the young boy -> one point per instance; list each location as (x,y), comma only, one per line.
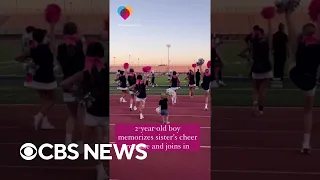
(163,103)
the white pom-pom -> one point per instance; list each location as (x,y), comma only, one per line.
(158,110)
(169,92)
(286,5)
(200,61)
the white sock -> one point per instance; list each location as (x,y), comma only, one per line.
(39,115)
(306,140)
(68,138)
(172,99)
(206,106)
(100,166)
(130,105)
(45,119)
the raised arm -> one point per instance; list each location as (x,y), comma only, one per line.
(269,33)
(292,36)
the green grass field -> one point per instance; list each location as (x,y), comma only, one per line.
(17,94)
(229,51)
(236,93)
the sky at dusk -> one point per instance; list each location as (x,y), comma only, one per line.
(184,24)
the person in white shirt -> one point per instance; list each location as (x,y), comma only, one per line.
(26,38)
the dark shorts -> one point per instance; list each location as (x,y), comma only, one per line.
(164,112)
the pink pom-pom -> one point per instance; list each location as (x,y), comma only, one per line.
(314,9)
(209,64)
(52,13)
(28,78)
(126,65)
(268,12)
(146,69)
(194,65)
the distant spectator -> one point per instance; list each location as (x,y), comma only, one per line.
(26,38)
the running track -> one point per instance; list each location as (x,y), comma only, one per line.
(243,147)
(16,129)
(262,148)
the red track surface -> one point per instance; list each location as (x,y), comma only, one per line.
(265,148)
(16,129)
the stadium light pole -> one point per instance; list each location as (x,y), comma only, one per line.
(138,62)
(114,61)
(168,46)
(129,58)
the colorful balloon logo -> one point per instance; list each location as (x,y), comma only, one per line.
(125,11)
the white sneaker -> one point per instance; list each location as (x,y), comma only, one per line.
(214,84)
(46,124)
(222,83)
(123,100)
(141,116)
(134,108)
(305,149)
(37,120)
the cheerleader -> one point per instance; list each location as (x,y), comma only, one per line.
(147,82)
(41,76)
(191,82)
(70,55)
(206,80)
(27,38)
(141,92)
(153,79)
(163,103)
(169,77)
(132,81)
(261,68)
(117,76)
(95,81)
(122,85)
(304,68)
(174,85)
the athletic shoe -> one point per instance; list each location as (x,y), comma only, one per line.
(305,151)
(46,124)
(214,84)
(222,83)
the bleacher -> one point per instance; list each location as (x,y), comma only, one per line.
(242,22)
(87,23)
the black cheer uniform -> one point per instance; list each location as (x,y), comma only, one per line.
(97,84)
(191,78)
(70,63)
(206,82)
(142,91)
(261,66)
(123,82)
(304,74)
(132,81)
(174,82)
(43,58)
